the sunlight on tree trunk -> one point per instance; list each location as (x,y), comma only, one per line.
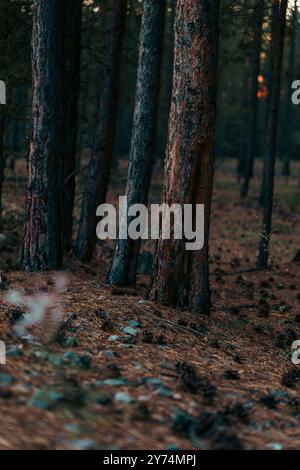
(180,276)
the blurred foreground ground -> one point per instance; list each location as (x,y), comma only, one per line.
(172,379)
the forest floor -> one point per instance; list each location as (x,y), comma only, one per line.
(171,379)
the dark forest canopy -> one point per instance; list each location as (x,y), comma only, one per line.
(236,19)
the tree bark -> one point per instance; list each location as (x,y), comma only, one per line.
(269,79)
(277,45)
(181,277)
(73,13)
(100,163)
(240,167)
(42,247)
(253,89)
(124,265)
(289,108)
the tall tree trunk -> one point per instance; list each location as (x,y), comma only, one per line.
(100,163)
(73,13)
(269,79)
(253,89)
(289,108)
(240,167)
(43,232)
(124,265)
(170,62)
(166,83)
(279,19)
(17,125)
(14,127)
(83,102)
(181,278)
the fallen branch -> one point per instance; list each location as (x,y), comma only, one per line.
(170,323)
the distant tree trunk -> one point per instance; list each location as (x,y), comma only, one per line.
(82,128)
(279,19)
(100,164)
(124,265)
(13,138)
(43,232)
(269,79)
(253,89)
(289,108)
(73,13)
(262,186)
(180,276)
(170,63)
(240,168)
(166,83)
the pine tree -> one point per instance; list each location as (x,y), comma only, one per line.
(289,108)
(277,44)
(73,13)
(43,247)
(181,277)
(100,164)
(258,15)
(124,265)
